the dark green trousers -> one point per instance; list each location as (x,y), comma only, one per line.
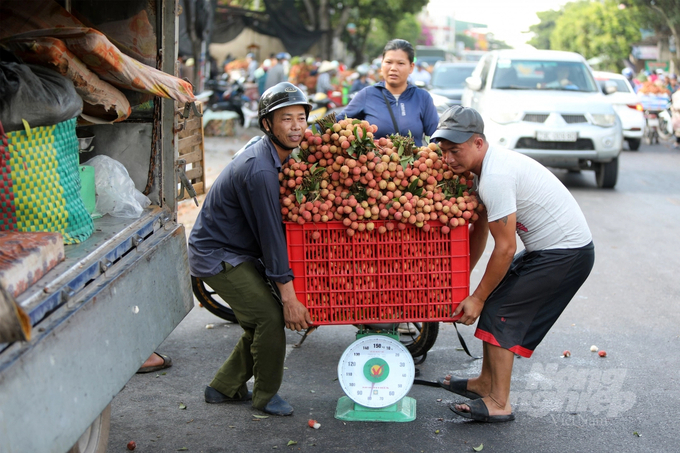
(262,348)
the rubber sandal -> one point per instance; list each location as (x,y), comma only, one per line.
(277,406)
(167,363)
(480,413)
(213,396)
(459,387)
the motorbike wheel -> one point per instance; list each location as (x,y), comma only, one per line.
(419,337)
(211,300)
(649,135)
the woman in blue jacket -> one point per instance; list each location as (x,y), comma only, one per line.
(394,101)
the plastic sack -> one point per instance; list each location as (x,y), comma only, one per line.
(35,94)
(116,192)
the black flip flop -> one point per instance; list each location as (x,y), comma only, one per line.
(479,412)
(459,387)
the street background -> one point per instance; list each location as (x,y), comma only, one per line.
(626,402)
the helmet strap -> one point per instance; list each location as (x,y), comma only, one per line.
(274,138)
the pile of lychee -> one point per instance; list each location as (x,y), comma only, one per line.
(341,173)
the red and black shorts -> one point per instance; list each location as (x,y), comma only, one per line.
(532,295)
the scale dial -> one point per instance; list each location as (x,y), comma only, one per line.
(376,371)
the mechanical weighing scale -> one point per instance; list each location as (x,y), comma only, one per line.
(376,372)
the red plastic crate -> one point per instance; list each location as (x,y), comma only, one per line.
(400,276)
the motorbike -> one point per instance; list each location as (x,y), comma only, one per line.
(665,128)
(658,124)
(322,105)
(231,97)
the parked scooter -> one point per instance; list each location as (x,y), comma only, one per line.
(322,105)
(228,96)
(665,128)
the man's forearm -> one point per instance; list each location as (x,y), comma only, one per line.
(287,291)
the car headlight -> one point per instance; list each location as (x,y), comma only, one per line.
(441,103)
(506,117)
(603,120)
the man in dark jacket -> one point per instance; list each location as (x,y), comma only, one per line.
(238,247)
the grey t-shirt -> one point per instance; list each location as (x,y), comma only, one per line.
(275,75)
(548,216)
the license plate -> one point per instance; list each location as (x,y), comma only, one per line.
(556,136)
(653,122)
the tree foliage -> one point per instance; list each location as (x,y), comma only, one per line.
(662,16)
(331,20)
(544,28)
(386,19)
(468,41)
(407,28)
(597,29)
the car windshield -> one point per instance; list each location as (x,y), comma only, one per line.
(451,76)
(513,74)
(621,85)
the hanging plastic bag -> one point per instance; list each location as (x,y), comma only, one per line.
(116,192)
(35,94)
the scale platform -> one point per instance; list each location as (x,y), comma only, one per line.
(376,373)
(402,411)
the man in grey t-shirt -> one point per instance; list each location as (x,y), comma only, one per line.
(520,296)
(275,74)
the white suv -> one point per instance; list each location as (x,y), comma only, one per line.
(547,105)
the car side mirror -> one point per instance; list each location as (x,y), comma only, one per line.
(474,83)
(609,87)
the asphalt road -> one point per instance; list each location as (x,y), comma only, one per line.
(626,402)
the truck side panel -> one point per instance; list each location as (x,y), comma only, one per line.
(86,351)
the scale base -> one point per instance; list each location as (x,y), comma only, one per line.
(402,411)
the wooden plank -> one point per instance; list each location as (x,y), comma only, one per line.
(195,157)
(192,125)
(194,173)
(195,139)
(191,148)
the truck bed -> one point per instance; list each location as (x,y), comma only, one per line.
(97,316)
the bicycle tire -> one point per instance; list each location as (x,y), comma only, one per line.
(217,307)
(420,342)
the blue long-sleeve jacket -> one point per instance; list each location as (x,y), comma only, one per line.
(414,111)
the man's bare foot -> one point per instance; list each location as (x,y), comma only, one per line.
(473,385)
(154,360)
(493,406)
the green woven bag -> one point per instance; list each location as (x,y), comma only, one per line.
(40,182)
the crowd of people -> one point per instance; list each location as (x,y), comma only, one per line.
(662,84)
(314,75)
(652,82)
